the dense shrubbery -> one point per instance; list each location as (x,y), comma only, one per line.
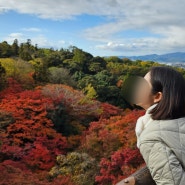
(57,125)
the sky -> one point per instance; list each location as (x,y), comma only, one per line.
(100,27)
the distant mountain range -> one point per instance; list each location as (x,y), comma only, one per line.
(178,57)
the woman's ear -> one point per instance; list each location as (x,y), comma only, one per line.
(158,97)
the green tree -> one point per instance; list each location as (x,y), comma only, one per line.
(26,50)
(96,65)
(127,61)
(66,54)
(15,48)
(2,77)
(54,59)
(82,59)
(24,53)
(5,50)
(86,80)
(114,59)
(41,73)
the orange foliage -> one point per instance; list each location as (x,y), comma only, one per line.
(110,110)
(29,111)
(113,142)
(122,164)
(12,87)
(108,135)
(12,173)
(30,144)
(31,138)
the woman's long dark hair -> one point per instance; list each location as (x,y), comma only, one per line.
(172,85)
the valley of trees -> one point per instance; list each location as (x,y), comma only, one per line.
(63,117)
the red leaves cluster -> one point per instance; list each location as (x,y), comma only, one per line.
(108,135)
(31,138)
(30,144)
(12,87)
(43,153)
(99,141)
(15,173)
(121,164)
(110,110)
(113,142)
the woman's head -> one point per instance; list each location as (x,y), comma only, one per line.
(167,88)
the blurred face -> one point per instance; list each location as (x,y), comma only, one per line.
(138,91)
(143,93)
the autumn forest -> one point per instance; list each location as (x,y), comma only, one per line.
(63,117)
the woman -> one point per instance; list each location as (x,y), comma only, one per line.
(162,141)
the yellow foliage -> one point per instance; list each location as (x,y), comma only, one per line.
(90,92)
(80,166)
(19,70)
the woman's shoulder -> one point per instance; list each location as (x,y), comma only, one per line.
(177,125)
(163,130)
(171,124)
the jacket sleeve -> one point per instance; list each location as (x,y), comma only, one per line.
(162,163)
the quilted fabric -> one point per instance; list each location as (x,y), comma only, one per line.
(162,145)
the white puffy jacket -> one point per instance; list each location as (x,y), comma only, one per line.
(162,145)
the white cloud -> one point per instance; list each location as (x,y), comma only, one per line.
(172,40)
(11,37)
(119,9)
(163,18)
(151,11)
(42,41)
(61,9)
(144,46)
